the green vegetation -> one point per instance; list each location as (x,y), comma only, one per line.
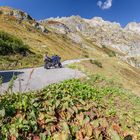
(122,102)
(93,108)
(97,63)
(18,61)
(113,68)
(10,44)
(38,43)
(14,53)
(109,52)
(70,110)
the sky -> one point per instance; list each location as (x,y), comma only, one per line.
(122,11)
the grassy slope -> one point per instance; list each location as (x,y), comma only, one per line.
(117,80)
(39,44)
(115,69)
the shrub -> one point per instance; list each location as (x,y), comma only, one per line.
(97,63)
(109,52)
(10,44)
(1,12)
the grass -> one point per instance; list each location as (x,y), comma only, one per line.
(18,61)
(121,72)
(15,54)
(12,45)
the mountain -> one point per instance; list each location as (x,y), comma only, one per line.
(82,37)
(39,39)
(124,41)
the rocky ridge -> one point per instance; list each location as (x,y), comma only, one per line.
(133,26)
(22,16)
(103,33)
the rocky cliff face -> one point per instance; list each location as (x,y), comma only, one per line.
(22,16)
(16,13)
(103,33)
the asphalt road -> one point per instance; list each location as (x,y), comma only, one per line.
(37,78)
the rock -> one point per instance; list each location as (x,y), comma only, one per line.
(133,26)
(39,27)
(75,37)
(20,15)
(58,26)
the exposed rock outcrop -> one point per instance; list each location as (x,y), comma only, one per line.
(60,27)
(40,27)
(134,27)
(21,16)
(16,13)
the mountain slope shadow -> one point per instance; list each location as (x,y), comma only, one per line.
(7,76)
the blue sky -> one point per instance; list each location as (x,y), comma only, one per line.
(122,11)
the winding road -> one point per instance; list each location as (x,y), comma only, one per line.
(37,78)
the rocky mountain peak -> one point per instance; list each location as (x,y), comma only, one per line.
(98,21)
(133,26)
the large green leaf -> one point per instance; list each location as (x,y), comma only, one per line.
(2,113)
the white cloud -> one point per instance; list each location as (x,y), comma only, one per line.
(104,5)
(99,3)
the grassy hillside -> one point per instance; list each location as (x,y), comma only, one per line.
(38,43)
(112,68)
(11,45)
(13,51)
